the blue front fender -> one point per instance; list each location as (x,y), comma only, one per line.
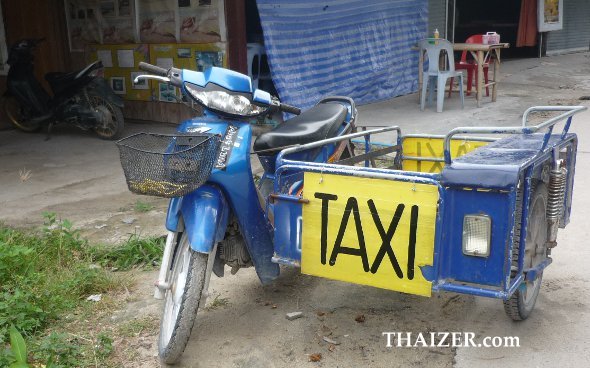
(205,214)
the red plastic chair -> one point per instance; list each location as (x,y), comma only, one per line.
(471,67)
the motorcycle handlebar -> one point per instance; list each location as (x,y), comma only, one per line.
(153,69)
(290,109)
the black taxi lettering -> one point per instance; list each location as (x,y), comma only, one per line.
(386,248)
(436,166)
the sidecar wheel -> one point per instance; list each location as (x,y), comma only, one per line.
(521,303)
(187,278)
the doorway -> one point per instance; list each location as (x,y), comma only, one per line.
(481,16)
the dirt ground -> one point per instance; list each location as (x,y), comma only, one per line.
(79,177)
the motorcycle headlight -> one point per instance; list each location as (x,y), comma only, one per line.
(225,102)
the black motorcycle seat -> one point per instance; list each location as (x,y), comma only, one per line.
(320,122)
(60,77)
(59,81)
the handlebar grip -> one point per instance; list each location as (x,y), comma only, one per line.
(290,109)
(153,69)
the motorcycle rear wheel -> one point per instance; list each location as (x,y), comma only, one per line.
(16,114)
(112,123)
(188,279)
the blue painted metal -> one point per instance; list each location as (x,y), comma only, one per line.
(466,189)
(236,185)
(568,112)
(479,291)
(205,214)
(172,216)
(454,265)
(239,186)
(527,192)
(367,149)
(233,185)
(532,273)
(546,138)
(470,289)
(262,97)
(517,282)
(566,128)
(498,164)
(484,181)
(287,223)
(225,78)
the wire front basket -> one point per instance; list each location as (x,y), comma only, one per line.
(166,165)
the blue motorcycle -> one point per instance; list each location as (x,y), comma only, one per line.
(417,214)
(219,213)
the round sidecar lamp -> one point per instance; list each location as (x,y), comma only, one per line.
(477,230)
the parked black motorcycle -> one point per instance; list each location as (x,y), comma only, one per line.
(79,98)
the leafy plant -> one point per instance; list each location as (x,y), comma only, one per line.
(44,274)
(104,346)
(18,348)
(143,206)
(138,326)
(59,350)
(218,302)
(135,251)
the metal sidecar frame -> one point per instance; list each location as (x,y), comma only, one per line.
(495,177)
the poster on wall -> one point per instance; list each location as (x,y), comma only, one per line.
(157,21)
(82,23)
(550,15)
(207,59)
(191,21)
(167,93)
(146,21)
(117,21)
(99,21)
(121,67)
(186,56)
(199,21)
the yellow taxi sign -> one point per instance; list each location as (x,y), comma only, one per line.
(372,232)
(433,147)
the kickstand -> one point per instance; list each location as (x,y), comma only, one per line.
(48,136)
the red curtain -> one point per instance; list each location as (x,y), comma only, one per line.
(527,25)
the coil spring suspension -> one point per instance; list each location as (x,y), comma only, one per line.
(556,194)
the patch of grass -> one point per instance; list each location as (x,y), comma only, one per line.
(136,327)
(218,302)
(143,206)
(135,252)
(47,275)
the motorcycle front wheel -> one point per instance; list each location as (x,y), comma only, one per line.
(188,279)
(111,122)
(18,115)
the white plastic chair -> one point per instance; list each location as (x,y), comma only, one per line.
(435,76)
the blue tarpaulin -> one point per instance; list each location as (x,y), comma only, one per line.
(355,48)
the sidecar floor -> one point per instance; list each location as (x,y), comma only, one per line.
(320,122)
